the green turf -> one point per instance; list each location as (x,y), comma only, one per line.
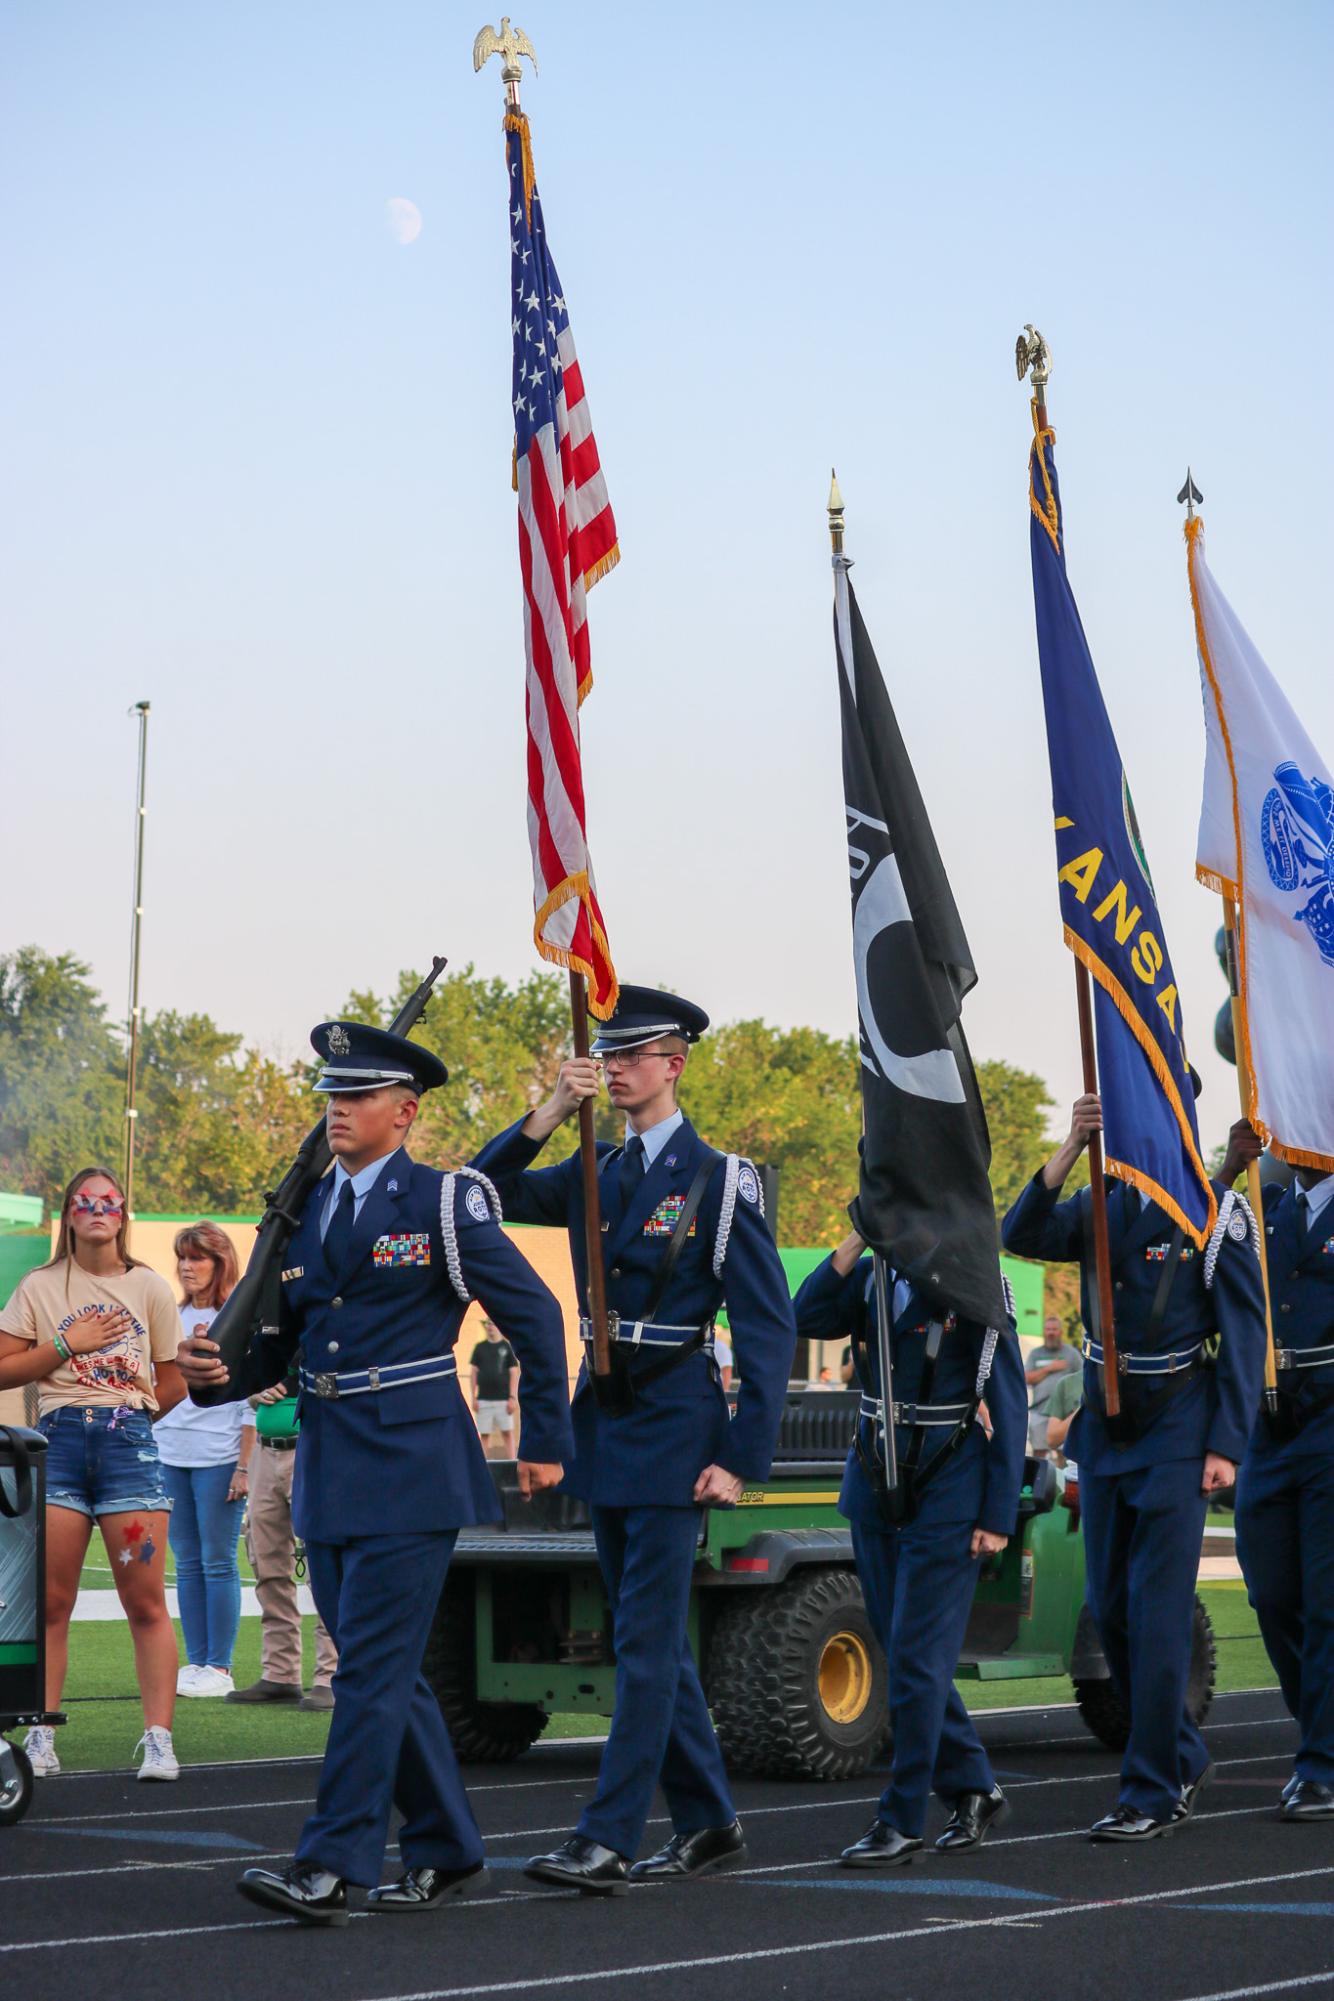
(105,1720)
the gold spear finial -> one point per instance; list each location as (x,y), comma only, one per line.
(509,44)
(835,506)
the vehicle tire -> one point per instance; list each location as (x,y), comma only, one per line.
(796,1680)
(1109,1719)
(16,1782)
(482,1732)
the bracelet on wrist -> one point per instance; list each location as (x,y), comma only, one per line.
(61,1346)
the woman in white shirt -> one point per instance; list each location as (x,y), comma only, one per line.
(205,1455)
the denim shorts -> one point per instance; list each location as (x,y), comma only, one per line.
(101,1461)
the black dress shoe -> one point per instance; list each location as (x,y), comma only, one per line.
(1308,1800)
(425,1889)
(1190,1796)
(692,1855)
(880,1847)
(581,1864)
(316,1896)
(973,1815)
(1127,1824)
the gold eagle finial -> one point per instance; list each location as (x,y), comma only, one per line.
(509,44)
(1031,352)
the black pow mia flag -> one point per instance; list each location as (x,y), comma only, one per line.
(925,1200)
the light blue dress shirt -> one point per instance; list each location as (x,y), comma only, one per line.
(362,1183)
(656,1137)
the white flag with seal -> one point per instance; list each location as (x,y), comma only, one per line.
(1267,841)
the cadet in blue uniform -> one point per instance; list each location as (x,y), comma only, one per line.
(381,1267)
(1285,1490)
(959,1504)
(670,1206)
(1144,1499)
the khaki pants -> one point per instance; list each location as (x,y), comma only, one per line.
(269,1542)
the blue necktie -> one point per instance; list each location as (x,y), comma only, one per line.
(631,1171)
(1309,1220)
(339,1233)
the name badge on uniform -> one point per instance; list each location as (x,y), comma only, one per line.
(666,1216)
(294,1271)
(414,1249)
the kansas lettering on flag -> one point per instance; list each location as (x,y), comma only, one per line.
(1108,906)
(1267,841)
(567,541)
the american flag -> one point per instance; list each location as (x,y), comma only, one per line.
(567,541)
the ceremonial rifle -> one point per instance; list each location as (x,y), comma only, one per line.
(253,1308)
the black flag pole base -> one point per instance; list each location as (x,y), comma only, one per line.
(1120,1429)
(614,1392)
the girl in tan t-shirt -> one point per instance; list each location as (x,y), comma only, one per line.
(97,1333)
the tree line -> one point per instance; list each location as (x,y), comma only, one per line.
(218,1121)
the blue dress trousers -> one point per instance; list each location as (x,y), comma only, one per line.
(1285,1492)
(918,1576)
(1142,1505)
(638,1470)
(384,1481)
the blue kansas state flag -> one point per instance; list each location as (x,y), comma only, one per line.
(1108,907)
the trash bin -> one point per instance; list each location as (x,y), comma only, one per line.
(22,1609)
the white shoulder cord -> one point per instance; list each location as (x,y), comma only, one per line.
(735,1164)
(1236,1219)
(989,1341)
(449,1229)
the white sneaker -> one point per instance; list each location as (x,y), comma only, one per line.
(207,1681)
(188,1677)
(40,1745)
(159,1758)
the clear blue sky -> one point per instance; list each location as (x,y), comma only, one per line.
(256,469)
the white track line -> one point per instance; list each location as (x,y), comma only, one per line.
(1024,1920)
(939,1928)
(1269,1987)
(250,1859)
(826,1800)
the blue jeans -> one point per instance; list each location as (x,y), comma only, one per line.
(101,1461)
(204,1529)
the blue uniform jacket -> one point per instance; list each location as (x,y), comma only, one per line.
(1301,1299)
(1214,1413)
(405,1460)
(679,1425)
(984,1481)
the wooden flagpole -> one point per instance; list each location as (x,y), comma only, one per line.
(1254,1193)
(1190,493)
(588,1163)
(1034,356)
(510,44)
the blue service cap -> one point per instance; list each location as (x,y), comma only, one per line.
(359,1058)
(642,1014)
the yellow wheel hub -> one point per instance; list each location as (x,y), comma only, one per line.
(845,1677)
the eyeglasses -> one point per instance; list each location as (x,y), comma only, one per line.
(629,1059)
(108,1205)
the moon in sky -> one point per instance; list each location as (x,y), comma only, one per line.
(403,220)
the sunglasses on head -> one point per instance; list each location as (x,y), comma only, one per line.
(97,1205)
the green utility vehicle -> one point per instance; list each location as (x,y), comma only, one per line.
(794,1676)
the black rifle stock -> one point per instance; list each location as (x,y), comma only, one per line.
(253,1307)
